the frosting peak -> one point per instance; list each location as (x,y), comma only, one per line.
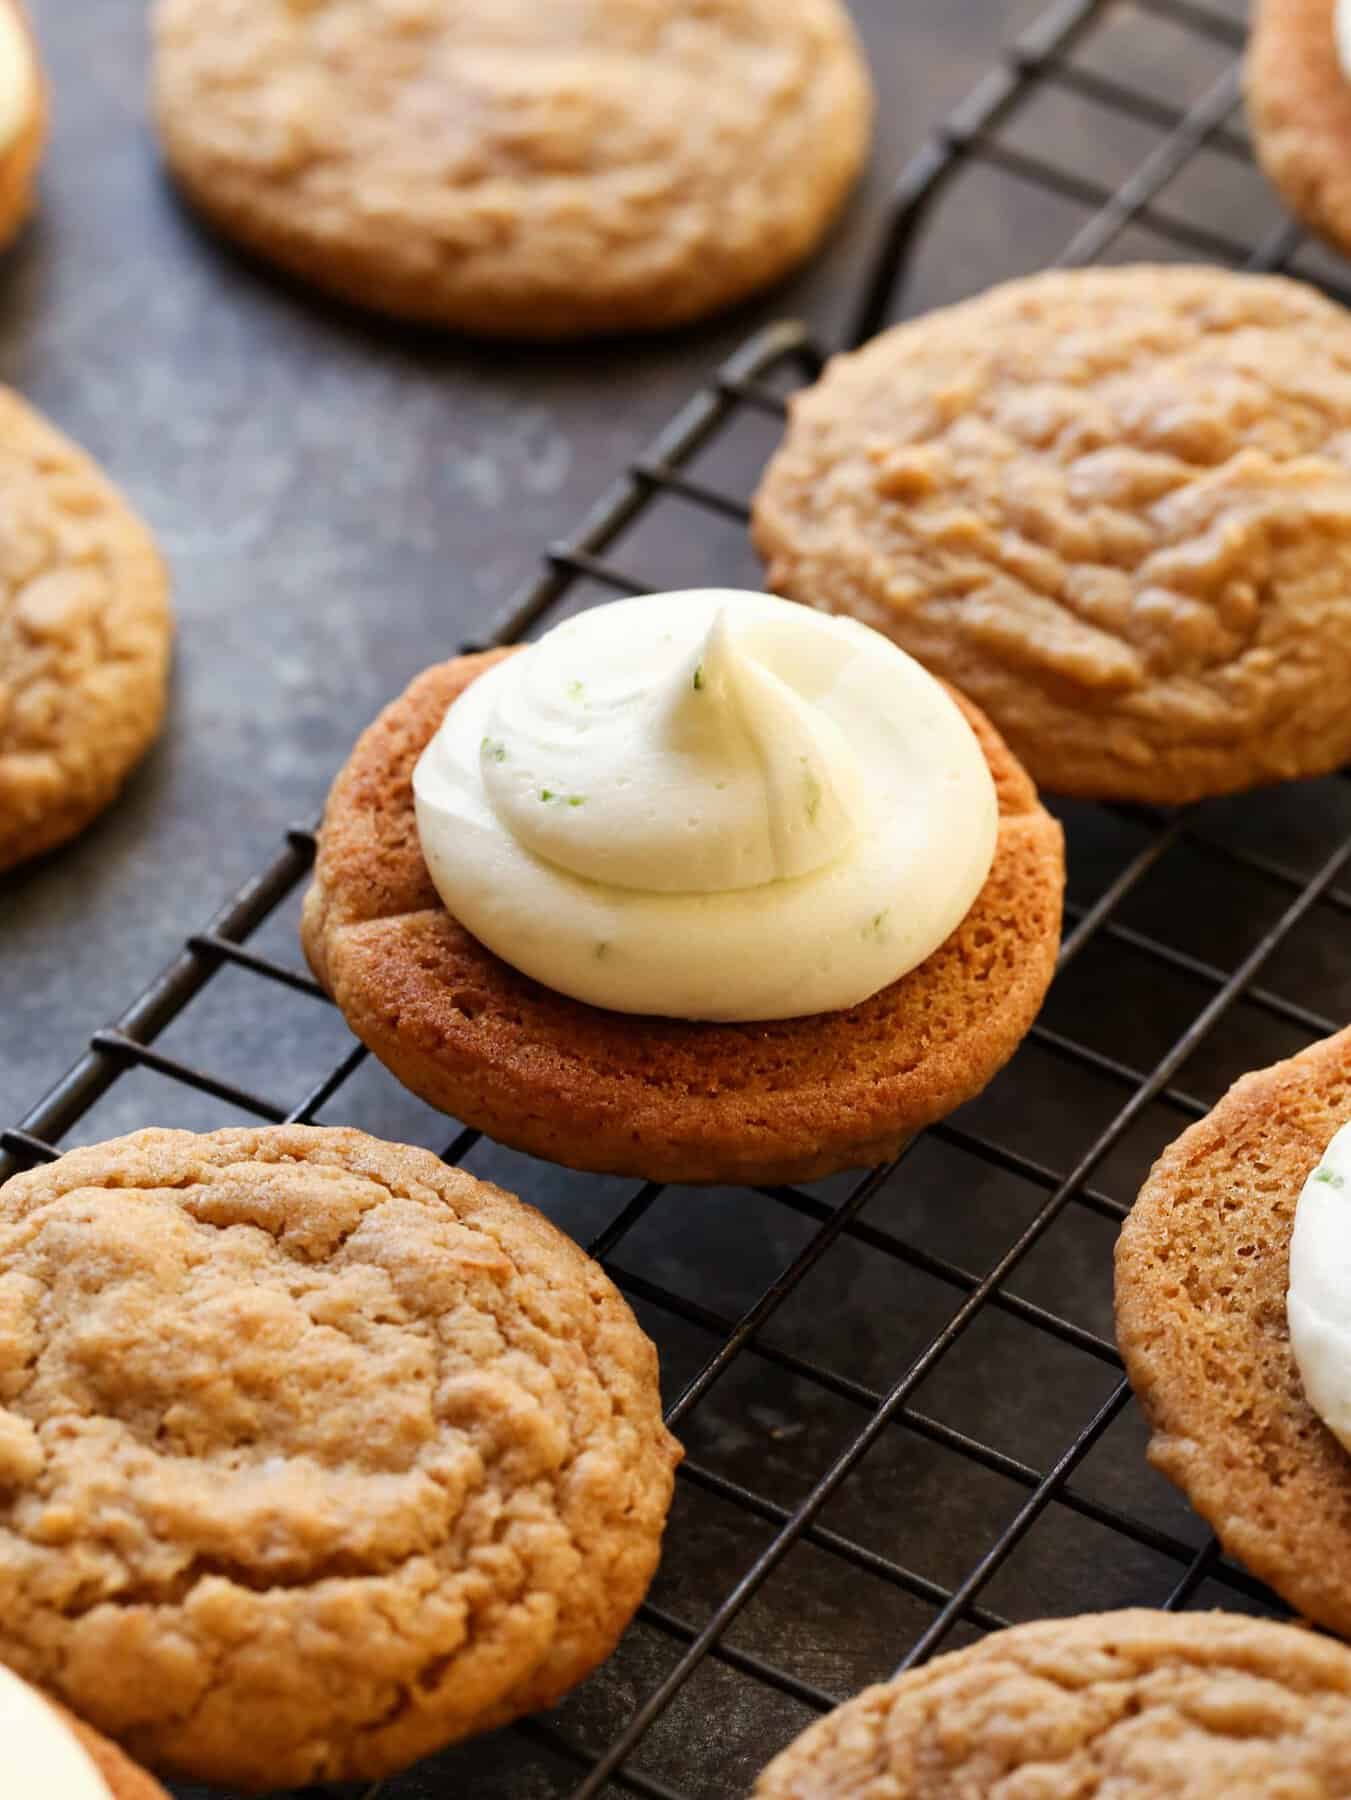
(708,805)
(691,765)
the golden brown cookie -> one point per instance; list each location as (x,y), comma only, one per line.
(1112,506)
(315,1454)
(543,170)
(1202,1268)
(1132,1705)
(1299,107)
(662,1099)
(23,119)
(85,629)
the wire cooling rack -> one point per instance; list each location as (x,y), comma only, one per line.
(905,1415)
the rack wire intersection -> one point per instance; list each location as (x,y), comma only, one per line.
(905,1414)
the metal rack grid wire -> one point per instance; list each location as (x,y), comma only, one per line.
(1269,973)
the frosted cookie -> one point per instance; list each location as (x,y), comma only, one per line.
(315,1454)
(703,887)
(1136,1705)
(539,171)
(1245,1418)
(1113,506)
(23,118)
(45,1754)
(1298,81)
(85,629)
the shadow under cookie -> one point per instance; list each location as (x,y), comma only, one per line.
(655,1098)
(1202,1269)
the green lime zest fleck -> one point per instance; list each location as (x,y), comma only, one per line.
(699,678)
(576,690)
(1333,1179)
(876,926)
(576,799)
(494,748)
(550,798)
(812,788)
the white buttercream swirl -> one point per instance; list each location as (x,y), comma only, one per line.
(1318,1303)
(39,1755)
(708,805)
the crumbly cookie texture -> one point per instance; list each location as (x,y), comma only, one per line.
(85,630)
(1299,107)
(1202,1268)
(21,154)
(662,1099)
(1132,1705)
(540,170)
(315,1454)
(1112,506)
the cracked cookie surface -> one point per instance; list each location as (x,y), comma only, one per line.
(663,1099)
(315,1455)
(85,629)
(1136,1705)
(548,170)
(1202,1268)
(1112,506)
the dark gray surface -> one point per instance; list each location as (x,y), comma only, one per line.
(340,500)
(342,503)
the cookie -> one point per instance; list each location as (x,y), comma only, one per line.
(1136,1705)
(1113,506)
(30,1734)
(1201,1277)
(540,171)
(23,119)
(85,630)
(1299,109)
(662,1099)
(315,1454)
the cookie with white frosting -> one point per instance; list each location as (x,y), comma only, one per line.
(1298,82)
(1235,1323)
(751,901)
(23,118)
(45,1754)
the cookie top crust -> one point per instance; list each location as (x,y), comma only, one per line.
(1299,107)
(663,1099)
(1137,1705)
(314,1453)
(1202,1268)
(85,630)
(547,170)
(1113,506)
